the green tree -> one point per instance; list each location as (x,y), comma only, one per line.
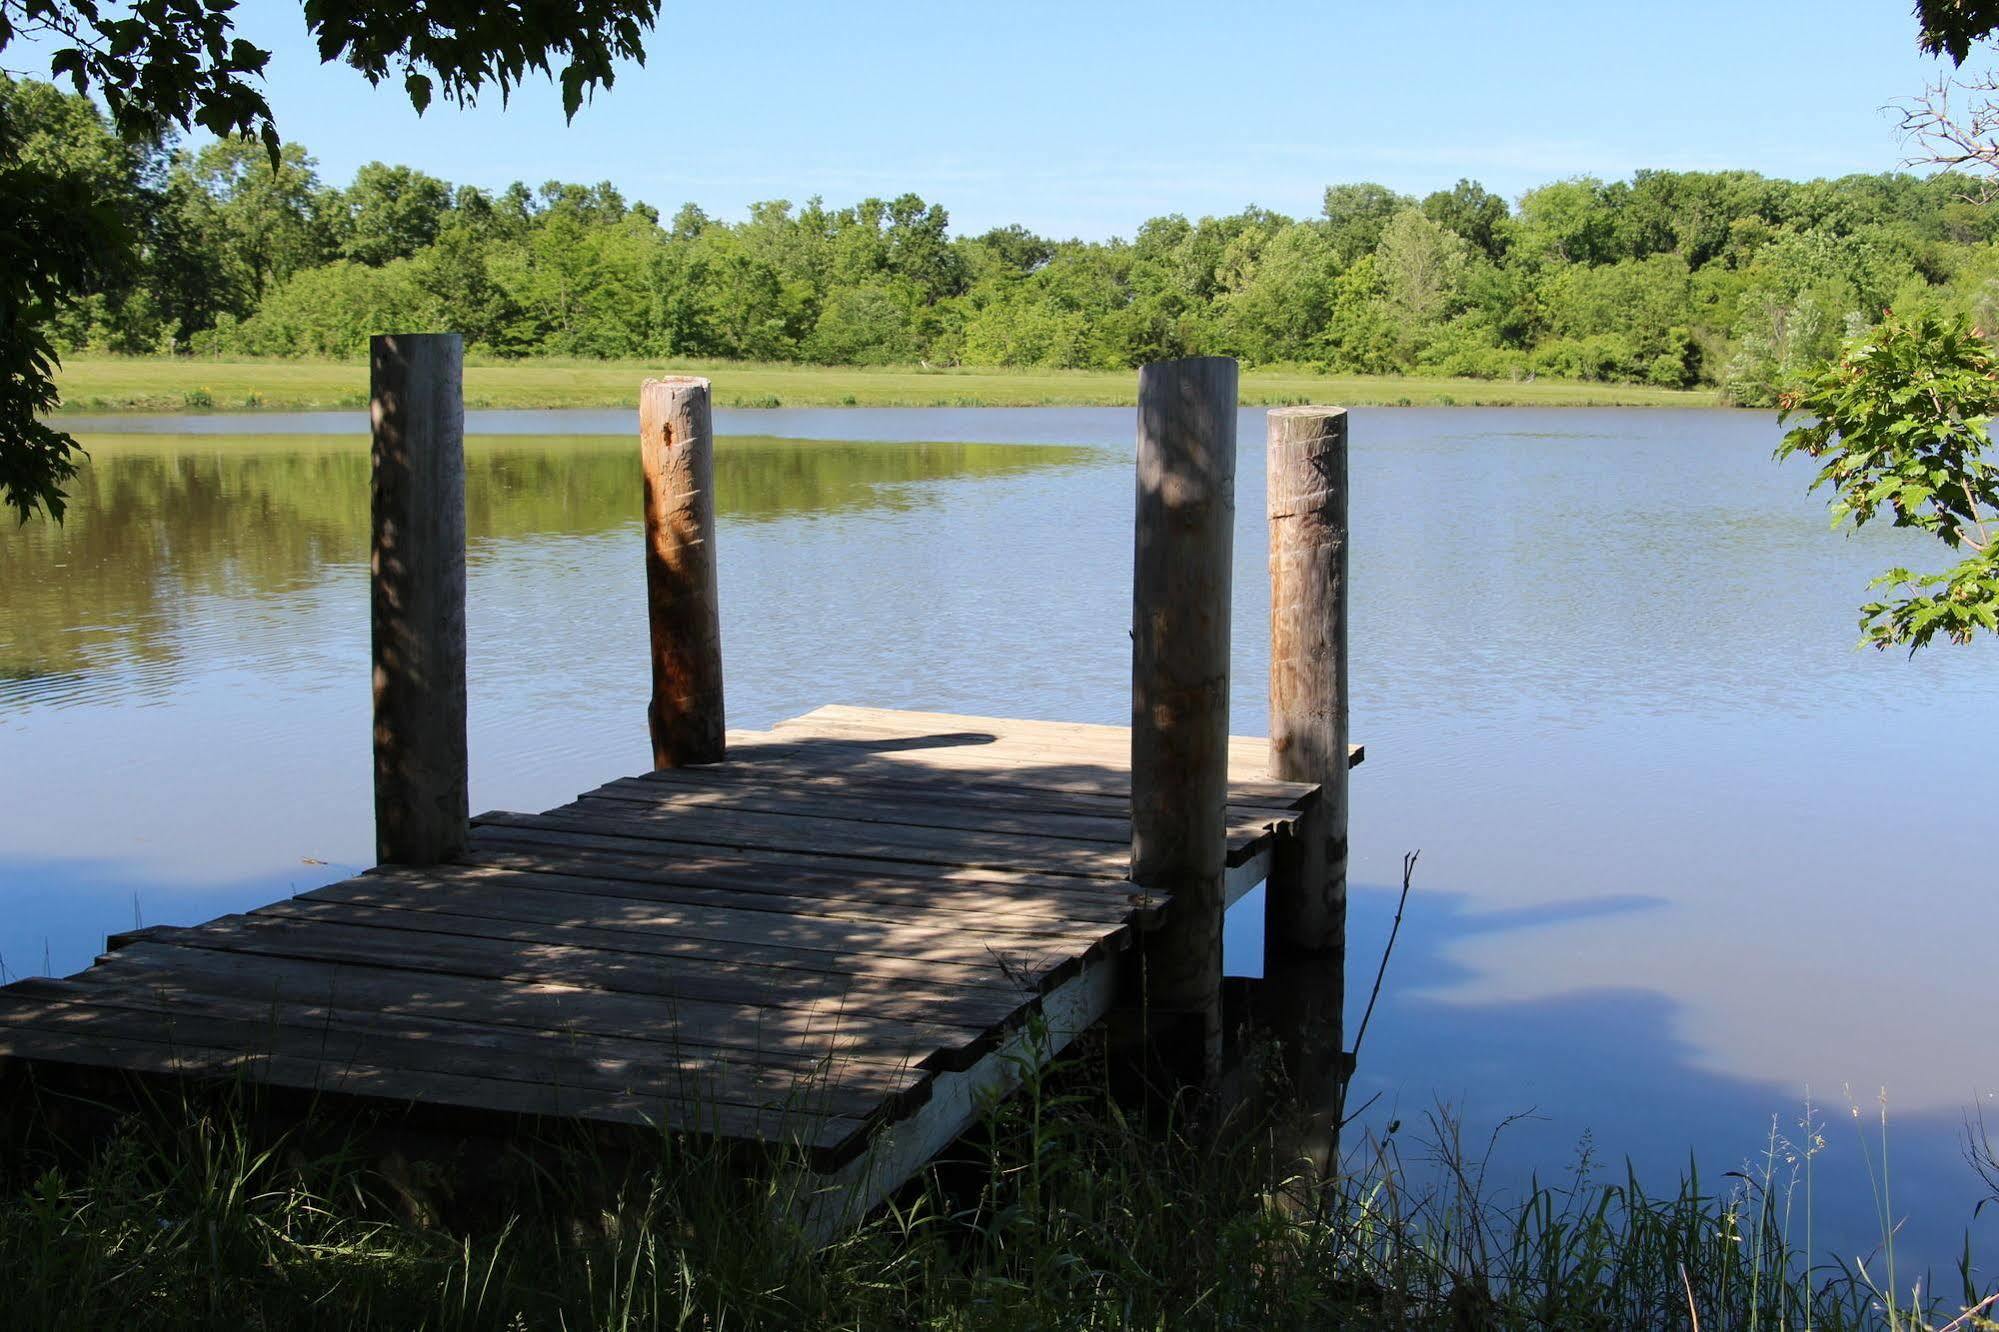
(1901,423)
(62,135)
(1280,312)
(269,218)
(60,236)
(1422,267)
(1473,213)
(456,275)
(581,278)
(331,309)
(1803,294)
(391,212)
(863,326)
(1011,251)
(1356,215)
(1016,329)
(162,66)
(1570,221)
(1362,335)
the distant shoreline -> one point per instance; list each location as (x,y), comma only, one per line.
(100,384)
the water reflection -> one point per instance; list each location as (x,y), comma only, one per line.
(159,527)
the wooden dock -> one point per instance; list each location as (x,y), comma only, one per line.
(840,937)
(836,938)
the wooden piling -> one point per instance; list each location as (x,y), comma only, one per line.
(1308,661)
(677,450)
(1180,689)
(1305,898)
(417,617)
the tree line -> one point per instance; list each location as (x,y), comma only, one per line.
(1684,279)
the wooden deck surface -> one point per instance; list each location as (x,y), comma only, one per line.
(808,942)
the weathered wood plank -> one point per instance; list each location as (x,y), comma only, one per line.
(21,1039)
(936,846)
(749,831)
(768,833)
(751,885)
(782,1035)
(499,828)
(947,953)
(702,968)
(552,832)
(845,805)
(770,897)
(888,782)
(1100,830)
(332,932)
(344,1037)
(167,969)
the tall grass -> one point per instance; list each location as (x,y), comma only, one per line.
(1058,1212)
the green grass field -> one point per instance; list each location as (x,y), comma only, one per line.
(171,384)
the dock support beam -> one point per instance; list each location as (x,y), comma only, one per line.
(1306,896)
(1180,697)
(417,614)
(677,448)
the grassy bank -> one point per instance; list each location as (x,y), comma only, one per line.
(170,384)
(1056,1214)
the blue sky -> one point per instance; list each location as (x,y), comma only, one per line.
(1087,118)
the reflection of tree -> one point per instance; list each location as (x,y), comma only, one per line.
(156,524)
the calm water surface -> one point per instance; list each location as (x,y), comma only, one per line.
(1687,855)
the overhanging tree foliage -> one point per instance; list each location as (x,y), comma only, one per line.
(1953,27)
(1902,424)
(163,66)
(1901,421)
(59,234)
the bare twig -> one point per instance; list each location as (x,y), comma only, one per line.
(1964,134)
(1388,950)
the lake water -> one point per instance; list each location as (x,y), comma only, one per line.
(1687,854)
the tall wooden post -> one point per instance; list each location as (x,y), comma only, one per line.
(1180,689)
(1306,896)
(1308,660)
(677,450)
(417,614)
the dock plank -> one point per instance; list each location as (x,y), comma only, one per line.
(698,996)
(865,779)
(937,950)
(172,973)
(855,803)
(343,1037)
(835,836)
(745,880)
